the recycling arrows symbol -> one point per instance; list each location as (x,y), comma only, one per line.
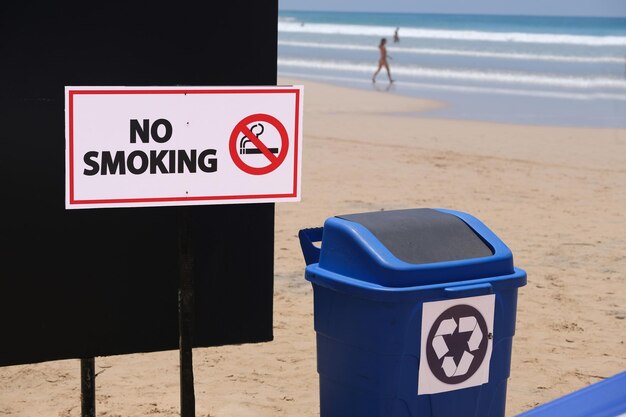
(457,344)
(447,327)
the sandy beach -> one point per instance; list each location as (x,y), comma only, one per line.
(555,196)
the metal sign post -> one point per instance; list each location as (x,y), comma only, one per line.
(186,313)
(87,387)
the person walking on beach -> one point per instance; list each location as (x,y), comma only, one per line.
(382,62)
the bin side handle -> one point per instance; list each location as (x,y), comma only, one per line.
(309,250)
(468,290)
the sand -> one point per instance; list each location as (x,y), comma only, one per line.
(555,196)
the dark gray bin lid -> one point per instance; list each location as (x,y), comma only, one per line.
(420,236)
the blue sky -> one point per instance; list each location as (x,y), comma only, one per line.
(614,8)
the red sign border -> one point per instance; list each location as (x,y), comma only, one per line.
(74,202)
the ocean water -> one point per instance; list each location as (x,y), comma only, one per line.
(560,71)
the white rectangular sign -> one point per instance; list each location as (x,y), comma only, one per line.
(456,344)
(172,146)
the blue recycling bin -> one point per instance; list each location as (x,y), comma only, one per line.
(414,313)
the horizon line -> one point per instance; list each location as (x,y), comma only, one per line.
(453,13)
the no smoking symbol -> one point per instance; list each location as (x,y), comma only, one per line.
(250,144)
(457,344)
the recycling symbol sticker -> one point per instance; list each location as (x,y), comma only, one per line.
(456,344)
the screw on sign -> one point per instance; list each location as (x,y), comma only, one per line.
(252,144)
(457,344)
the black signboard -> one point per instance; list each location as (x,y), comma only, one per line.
(96,282)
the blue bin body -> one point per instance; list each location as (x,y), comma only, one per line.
(368,313)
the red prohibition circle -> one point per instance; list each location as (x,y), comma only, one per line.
(274,161)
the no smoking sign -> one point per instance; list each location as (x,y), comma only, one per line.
(252,143)
(166,146)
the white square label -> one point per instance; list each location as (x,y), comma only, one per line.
(456,344)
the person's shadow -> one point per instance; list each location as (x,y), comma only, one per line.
(386,87)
